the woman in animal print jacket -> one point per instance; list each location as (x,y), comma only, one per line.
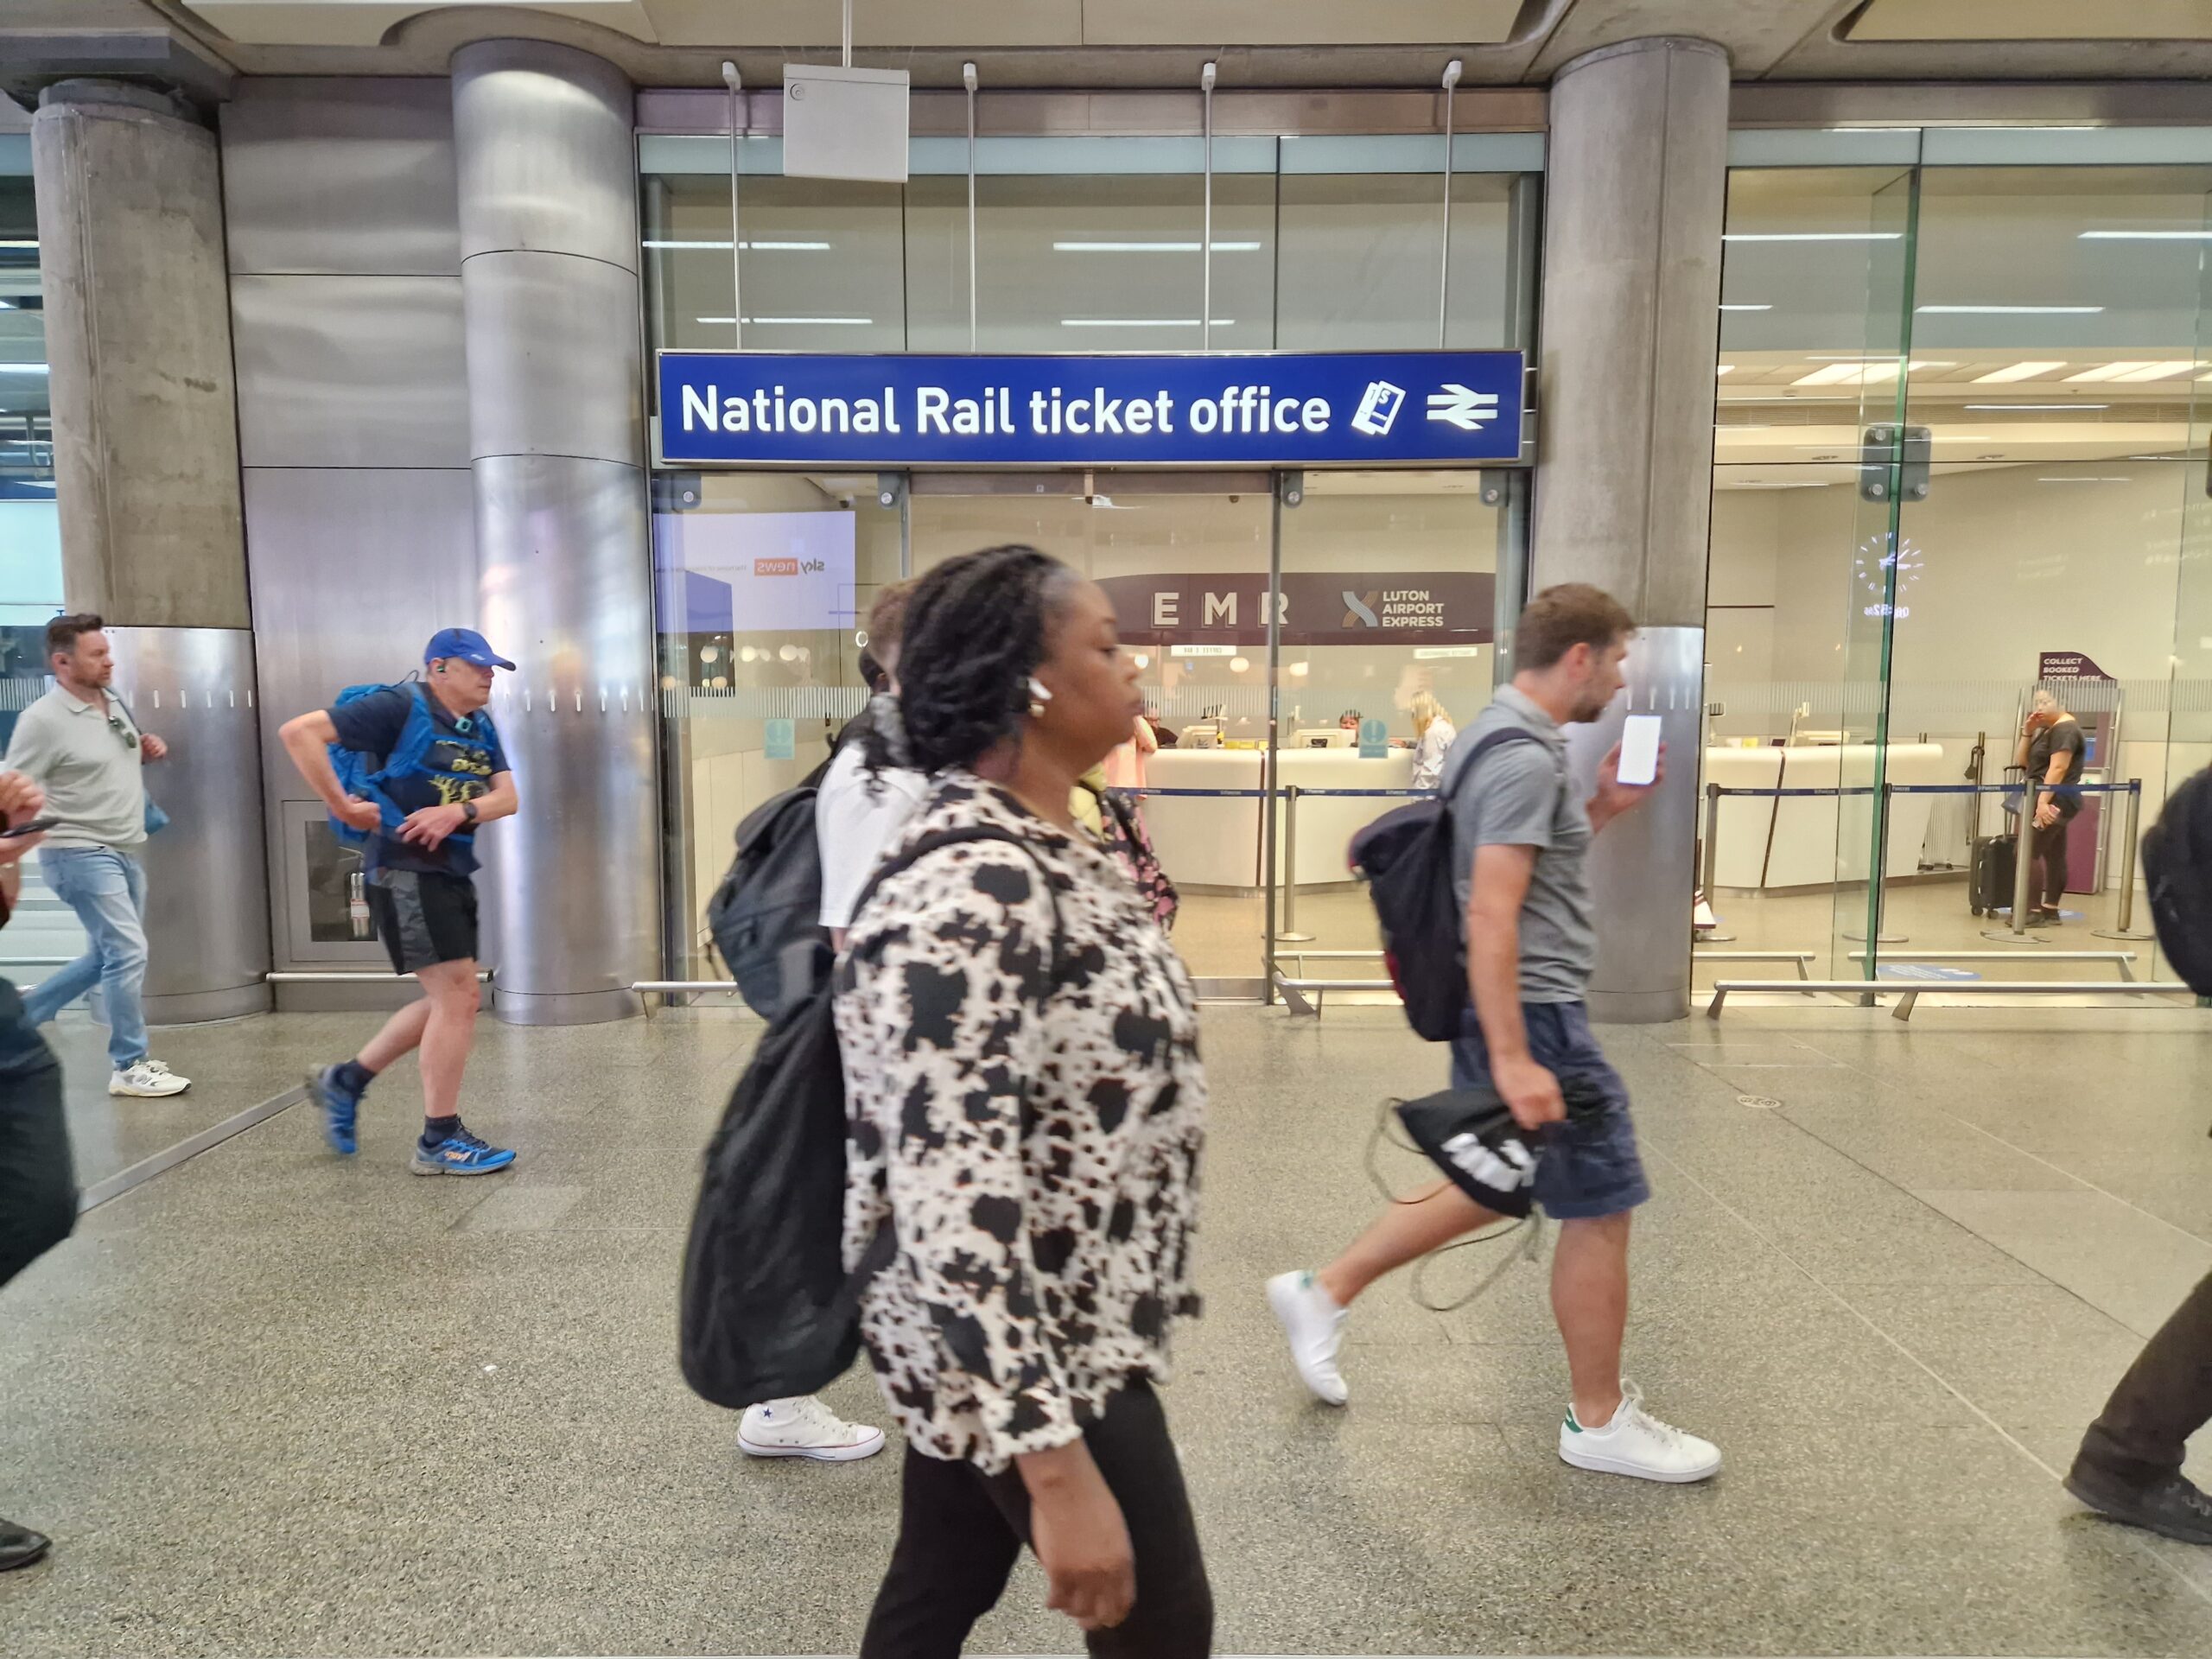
(1025,1109)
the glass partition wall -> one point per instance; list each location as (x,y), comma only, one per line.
(1960,461)
(1387,582)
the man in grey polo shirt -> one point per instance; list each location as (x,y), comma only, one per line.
(79,744)
(1521,831)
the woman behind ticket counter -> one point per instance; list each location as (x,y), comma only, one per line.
(1433,735)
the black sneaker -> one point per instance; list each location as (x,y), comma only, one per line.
(2173,1506)
(20,1546)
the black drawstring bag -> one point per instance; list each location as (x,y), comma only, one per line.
(1471,1136)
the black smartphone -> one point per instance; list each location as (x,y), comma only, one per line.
(34,827)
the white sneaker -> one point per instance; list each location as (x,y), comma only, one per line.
(804,1427)
(1315,1326)
(1637,1443)
(149,1079)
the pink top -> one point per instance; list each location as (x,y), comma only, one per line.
(1125,763)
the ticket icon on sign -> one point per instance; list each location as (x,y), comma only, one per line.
(1379,409)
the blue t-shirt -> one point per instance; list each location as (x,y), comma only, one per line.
(465,758)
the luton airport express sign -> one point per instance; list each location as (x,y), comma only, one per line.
(1289,410)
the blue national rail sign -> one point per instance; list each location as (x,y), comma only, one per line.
(1363,409)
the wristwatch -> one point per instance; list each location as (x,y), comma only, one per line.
(468,810)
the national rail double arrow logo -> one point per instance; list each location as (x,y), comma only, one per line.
(1462,406)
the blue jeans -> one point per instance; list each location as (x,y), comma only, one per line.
(107,889)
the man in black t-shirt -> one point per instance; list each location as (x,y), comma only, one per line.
(439,774)
(2053,750)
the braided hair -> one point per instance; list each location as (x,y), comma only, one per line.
(976,628)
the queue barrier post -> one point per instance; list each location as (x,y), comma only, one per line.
(1289,930)
(2024,853)
(2130,840)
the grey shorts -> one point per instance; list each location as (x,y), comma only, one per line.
(1590,1167)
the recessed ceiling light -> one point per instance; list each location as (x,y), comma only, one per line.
(2085,480)
(1153,247)
(2009,311)
(798,323)
(1725,307)
(18,243)
(758,247)
(2133,371)
(2006,409)
(2017,372)
(22,368)
(2157,372)
(1811,236)
(1142,322)
(2145,235)
(1837,374)
(1725,368)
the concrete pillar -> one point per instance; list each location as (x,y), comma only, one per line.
(138,332)
(549,303)
(146,466)
(1637,178)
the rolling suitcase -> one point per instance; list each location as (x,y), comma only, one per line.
(1989,883)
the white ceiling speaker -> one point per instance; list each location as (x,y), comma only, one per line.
(843,122)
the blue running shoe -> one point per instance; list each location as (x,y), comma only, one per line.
(459,1154)
(339,1109)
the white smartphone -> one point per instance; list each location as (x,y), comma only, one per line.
(1639,749)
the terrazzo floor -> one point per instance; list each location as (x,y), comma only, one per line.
(270,1403)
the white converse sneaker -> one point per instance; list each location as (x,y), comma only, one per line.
(1637,1443)
(1315,1326)
(804,1427)
(148,1080)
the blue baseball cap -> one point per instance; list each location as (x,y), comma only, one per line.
(466,644)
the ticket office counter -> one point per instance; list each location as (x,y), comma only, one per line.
(1213,841)
(1781,841)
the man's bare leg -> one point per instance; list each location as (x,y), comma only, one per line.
(401,1034)
(451,996)
(1404,1232)
(1589,1302)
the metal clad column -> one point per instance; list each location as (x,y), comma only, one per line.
(1637,179)
(146,463)
(549,298)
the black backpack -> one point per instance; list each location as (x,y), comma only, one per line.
(766,915)
(767,1310)
(2177,870)
(1405,857)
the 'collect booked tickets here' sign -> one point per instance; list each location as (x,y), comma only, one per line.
(1358,409)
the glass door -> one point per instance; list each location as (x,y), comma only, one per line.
(762,582)
(1388,648)
(1892,465)
(1186,559)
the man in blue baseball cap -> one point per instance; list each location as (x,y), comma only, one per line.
(409,771)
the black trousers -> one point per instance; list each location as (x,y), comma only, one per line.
(960,1532)
(2165,1397)
(2047,873)
(38,1182)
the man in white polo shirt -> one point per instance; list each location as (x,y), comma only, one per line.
(79,744)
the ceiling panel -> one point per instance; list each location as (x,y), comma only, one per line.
(814,23)
(290,22)
(2032,20)
(1298,22)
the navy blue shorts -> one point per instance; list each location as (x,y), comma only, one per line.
(1590,1167)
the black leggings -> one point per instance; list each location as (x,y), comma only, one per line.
(2047,874)
(38,1186)
(961,1530)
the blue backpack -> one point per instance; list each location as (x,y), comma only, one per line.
(362,775)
